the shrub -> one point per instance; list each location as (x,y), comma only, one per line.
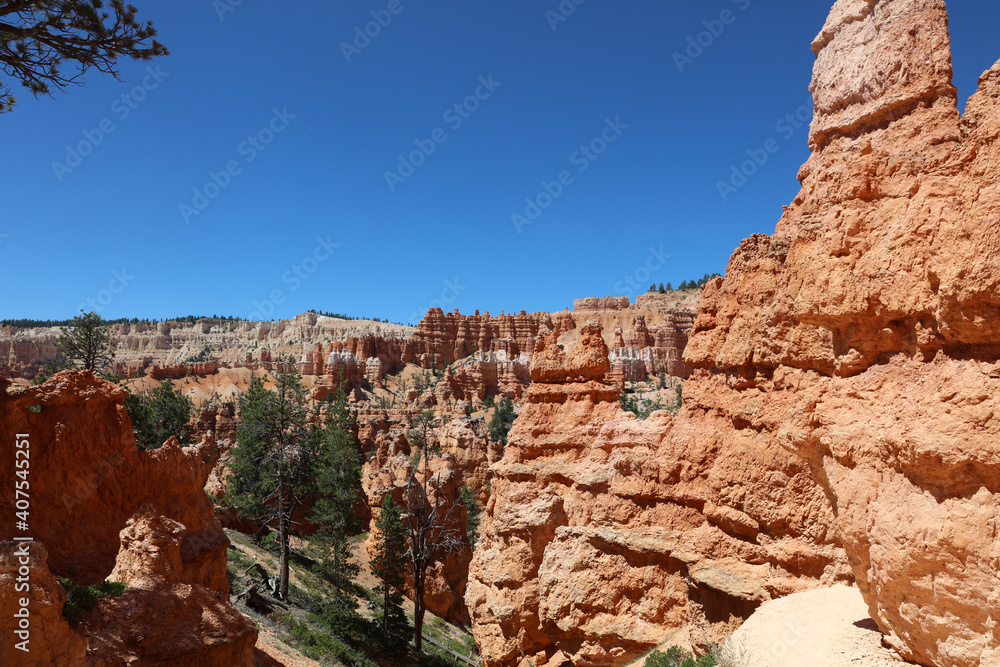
(675,656)
(320,645)
(161,413)
(81,600)
(503,420)
(640,407)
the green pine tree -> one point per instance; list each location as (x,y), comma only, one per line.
(389,567)
(158,415)
(39,38)
(86,344)
(274,464)
(473,514)
(503,420)
(338,485)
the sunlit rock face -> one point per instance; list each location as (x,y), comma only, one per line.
(605,533)
(841,419)
(101,508)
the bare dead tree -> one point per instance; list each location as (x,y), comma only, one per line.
(252,595)
(433,527)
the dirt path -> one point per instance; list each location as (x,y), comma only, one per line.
(281,653)
(829,627)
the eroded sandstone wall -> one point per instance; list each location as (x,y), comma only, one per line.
(175,349)
(880,288)
(100,508)
(605,534)
(842,399)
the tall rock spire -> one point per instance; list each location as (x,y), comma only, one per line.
(877,60)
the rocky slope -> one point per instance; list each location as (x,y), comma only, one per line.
(99,508)
(843,395)
(827,627)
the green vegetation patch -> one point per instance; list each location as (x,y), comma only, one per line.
(81,600)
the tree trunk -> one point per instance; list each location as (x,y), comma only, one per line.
(385,611)
(285,553)
(418,633)
(282,533)
(418,614)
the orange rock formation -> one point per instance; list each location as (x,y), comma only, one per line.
(604,533)
(874,356)
(87,480)
(843,395)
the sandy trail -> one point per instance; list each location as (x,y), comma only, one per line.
(829,627)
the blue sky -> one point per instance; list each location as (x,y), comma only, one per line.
(247,175)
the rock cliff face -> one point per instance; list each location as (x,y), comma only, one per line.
(870,318)
(843,395)
(50,639)
(645,339)
(442,339)
(593,305)
(87,480)
(604,533)
(642,352)
(175,349)
(171,621)
(497,350)
(23,352)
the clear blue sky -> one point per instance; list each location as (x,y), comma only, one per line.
(443,234)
